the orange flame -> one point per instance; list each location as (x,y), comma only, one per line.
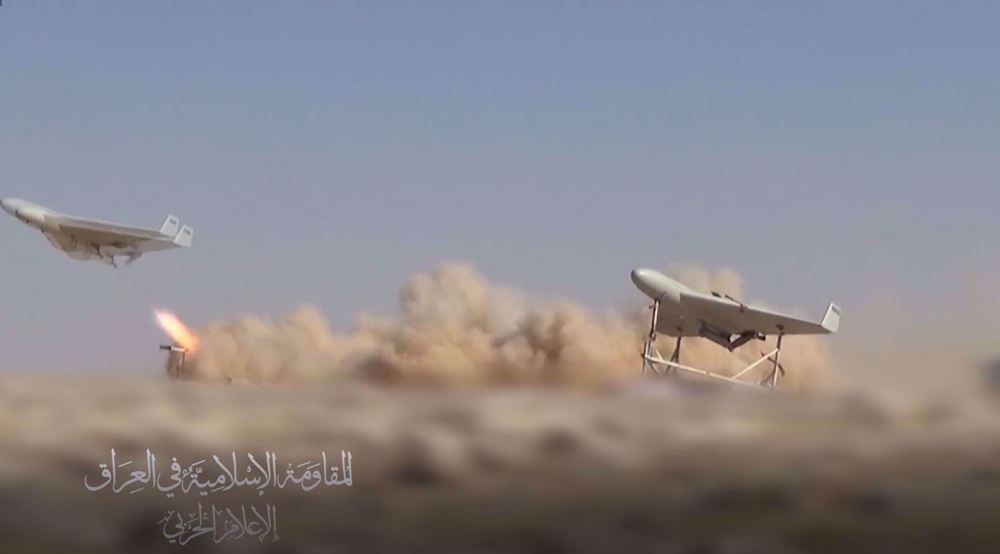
(176,330)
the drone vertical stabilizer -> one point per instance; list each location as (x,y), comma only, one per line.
(171,226)
(184,237)
(831,321)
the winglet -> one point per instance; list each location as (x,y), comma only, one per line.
(831,321)
(170,226)
(184,237)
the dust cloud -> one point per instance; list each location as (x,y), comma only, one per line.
(457,329)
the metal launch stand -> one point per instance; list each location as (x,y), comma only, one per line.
(653,361)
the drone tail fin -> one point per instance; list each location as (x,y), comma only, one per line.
(184,237)
(831,321)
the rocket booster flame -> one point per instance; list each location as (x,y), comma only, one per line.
(176,330)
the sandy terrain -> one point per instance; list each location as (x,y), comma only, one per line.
(640,469)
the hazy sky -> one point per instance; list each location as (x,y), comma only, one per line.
(325,151)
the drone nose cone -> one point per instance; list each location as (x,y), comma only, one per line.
(648,281)
(7,205)
(640,275)
(655,285)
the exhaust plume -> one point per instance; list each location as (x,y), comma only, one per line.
(177,331)
(457,329)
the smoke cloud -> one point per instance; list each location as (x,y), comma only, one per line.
(458,329)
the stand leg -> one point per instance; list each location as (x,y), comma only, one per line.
(777,354)
(676,356)
(651,338)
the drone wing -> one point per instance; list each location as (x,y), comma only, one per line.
(732,317)
(102,233)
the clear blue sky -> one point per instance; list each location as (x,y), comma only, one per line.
(324,151)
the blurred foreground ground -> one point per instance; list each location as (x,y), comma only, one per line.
(642,469)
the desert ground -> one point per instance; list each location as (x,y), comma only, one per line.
(643,467)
